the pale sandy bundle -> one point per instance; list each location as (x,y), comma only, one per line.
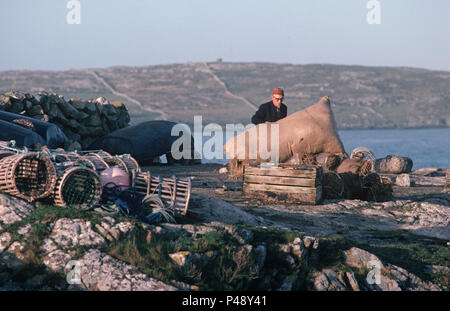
(308,131)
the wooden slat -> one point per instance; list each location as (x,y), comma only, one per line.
(276,180)
(280,189)
(281,172)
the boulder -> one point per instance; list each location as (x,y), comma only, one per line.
(393,164)
(403,180)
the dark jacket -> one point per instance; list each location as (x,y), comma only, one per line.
(268,112)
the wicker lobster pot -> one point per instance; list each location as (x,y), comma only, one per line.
(172,191)
(77,187)
(115,161)
(102,154)
(130,162)
(5,153)
(93,162)
(28,176)
(124,161)
(65,157)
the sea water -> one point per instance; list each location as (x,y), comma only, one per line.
(425,147)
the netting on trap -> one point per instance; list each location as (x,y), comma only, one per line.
(174,192)
(77,187)
(29,176)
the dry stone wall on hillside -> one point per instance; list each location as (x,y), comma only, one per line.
(81,120)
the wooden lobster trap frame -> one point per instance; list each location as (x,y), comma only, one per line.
(173,191)
(29,176)
(125,161)
(78,187)
(93,162)
(5,153)
(60,157)
(130,162)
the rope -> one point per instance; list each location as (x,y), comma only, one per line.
(127,201)
(167,212)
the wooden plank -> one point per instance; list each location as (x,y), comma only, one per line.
(277,188)
(295,168)
(296,198)
(282,172)
(276,180)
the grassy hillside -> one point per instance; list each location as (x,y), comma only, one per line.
(362,97)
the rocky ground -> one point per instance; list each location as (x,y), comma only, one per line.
(232,241)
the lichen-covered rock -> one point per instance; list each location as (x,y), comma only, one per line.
(25,230)
(13,209)
(57,260)
(102,272)
(70,233)
(16,248)
(320,281)
(5,239)
(390,277)
(352,281)
(359,258)
(403,180)
(192,264)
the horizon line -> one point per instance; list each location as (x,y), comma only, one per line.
(227,62)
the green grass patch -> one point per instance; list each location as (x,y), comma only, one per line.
(227,266)
(40,220)
(331,250)
(33,277)
(272,235)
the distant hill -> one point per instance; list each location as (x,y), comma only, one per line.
(362,97)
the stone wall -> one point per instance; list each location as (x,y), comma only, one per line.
(81,120)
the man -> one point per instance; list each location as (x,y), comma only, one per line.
(271,111)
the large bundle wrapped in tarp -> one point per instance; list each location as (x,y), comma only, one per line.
(24,137)
(308,131)
(144,141)
(53,136)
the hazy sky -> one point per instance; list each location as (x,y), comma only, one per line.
(35,34)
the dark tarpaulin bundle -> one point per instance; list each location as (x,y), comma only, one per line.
(53,136)
(22,136)
(144,141)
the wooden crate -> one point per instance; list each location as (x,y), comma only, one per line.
(286,182)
